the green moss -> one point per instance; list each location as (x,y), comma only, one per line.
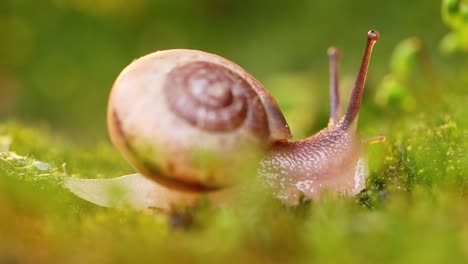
(413,210)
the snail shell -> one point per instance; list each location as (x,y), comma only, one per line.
(181,117)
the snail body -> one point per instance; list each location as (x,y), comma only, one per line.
(330,160)
(185,119)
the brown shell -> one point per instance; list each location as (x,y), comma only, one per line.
(188,118)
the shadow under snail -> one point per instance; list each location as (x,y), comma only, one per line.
(184,119)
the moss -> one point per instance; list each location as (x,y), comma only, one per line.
(414,209)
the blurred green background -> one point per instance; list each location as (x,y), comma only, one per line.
(59,58)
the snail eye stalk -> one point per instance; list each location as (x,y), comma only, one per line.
(356,96)
(334,55)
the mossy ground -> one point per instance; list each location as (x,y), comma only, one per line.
(413,210)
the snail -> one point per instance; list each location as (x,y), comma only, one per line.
(185,118)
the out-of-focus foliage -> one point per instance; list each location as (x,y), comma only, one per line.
(455,15)
(393,91)
(412,75)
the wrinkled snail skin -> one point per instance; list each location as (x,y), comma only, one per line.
(330,160)
(188,120)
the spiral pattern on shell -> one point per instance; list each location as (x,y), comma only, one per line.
(212,97)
